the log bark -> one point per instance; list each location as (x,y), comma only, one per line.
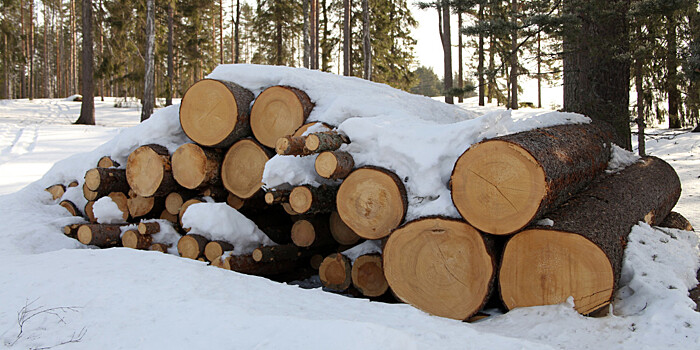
(368,275)
(334,164)
(336,272)
(107,162)
(292,146)
(312,232)
(215,249)
(101,235)
(442,266)
(285,252)
(72,209)
(149,172)
(580,255)
(196,167)
(318,142)
(341,232)
(243,167)
(71,230)
(135,240)
(216,113)
(275,223)
(56,191)
(89,213)
(159,247)
(247,265)
(501,185)
(106,180)
(372,202)
(307,199)
(148,228)
(174,200)
(277,112)
(191,246)
(677,221)
(274,196)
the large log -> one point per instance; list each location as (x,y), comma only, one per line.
(334,164)
(101,235)
(580,254)
(318,142)
(243,166)
(216,113)
(106,180)
(196,167)
(372,202)
(149,172)
(277,112)
(308,199)
(442,266)
(368,275)
(336,272)
(501,185)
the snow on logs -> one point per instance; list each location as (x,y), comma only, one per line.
(501,185)
(580,255)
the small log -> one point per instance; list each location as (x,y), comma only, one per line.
(444,267)
(106,180)
(501,185)
(368,275)
(307,199)
(292,146)
(283,252)
(215,249)
(318,142)
(274,196)
(192,246)
(148,171)
(341,232)
(135,240)
(277,112)
(72,209)
(243,166)
(71,230)
(56,191)
(196,167)
(372,202)
(334,164)
(159,247)
(677,221)
(247,265)
(73,183)
(101,235)
(91,195)
(580,255)
(145,206)
(216,113)
(335,272)
(313,231)
(165,215)
(148,228)
(288,209)
(89,213)
(107,162)
(174,200)
(302,129)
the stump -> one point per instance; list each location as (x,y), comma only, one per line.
(368,275)
(372,202)
(149,172)
(195,167)
(243,167)
(215,113)
(277,112)
(441,266)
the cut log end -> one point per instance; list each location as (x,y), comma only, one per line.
(242,168)
(148,228)
(303,233)
(140,206)
(334,165)
(103,236)
(107,162)
(336,272)
(441,266)
(72,209)
(214,249)
(135,240)
(56,191)
(542,267)
(301,199)
(372,202)
(173,202)
(147,171)
(368,275)
(191,246)
(498,186)
(277,112)
(195,167)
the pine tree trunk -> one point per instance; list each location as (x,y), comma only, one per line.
(305,29)
(169,90)
(539,72)
(514,56)
(366,42)
(45,84)
(480,69)
(237,41)
(445,35)
(674,96)
(87,109)
(460,82)
(149,75)
(30,48)
(641,143)
(346,37)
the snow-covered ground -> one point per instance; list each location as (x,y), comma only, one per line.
(127,299)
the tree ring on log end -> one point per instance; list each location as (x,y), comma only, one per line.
(441,266)
(301,199)
(242,168)
(341,232)
(276,112)
(189,164)
(145,171)
(368,275)
(325,164)
(93,179)
(371,202)
(85,234)
(497,186)
(303,233)
(336,272)
(543,267)
(208,112)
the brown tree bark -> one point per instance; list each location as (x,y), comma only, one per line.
(101,235)
(87,108)
(106,180)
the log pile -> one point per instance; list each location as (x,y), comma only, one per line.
(502,188)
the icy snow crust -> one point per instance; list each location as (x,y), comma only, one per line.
(130,299)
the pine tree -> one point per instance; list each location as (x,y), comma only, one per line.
(87,108)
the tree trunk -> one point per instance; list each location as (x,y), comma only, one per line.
(149,75)
(480,69)
(441,266)
(372,202)
(347,59)
(221,31)
(307,199)
(215,113)
(307,35)
(674,95)
(30,48)
(195,167)
(366,41)
(101,235)
(169,90)
(460,47)
(247,155)
(236,35)
(334,164)
(279,59)
(514,56)
(539,72)
(492,66)
(149,172)
(501,185)
(87,108)
(638,66)
(580,255)
(277,112)
(45,92)
(445,36)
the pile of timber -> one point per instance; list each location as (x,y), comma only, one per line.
(541,219)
